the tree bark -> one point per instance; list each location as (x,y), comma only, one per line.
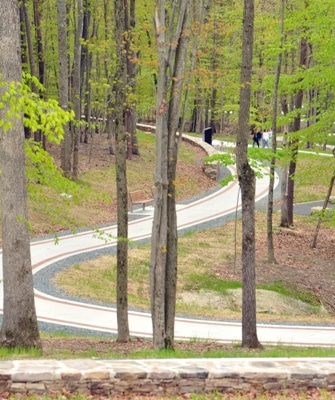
(171,70)
(120,13)
(271,252)
(39,41)
(76,93)
(247,180)
(324,207)
(66,150)
(294,145)
(132,142)
(19,326)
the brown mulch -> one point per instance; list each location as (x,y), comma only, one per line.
(112,349)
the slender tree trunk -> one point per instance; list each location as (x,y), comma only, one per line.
(283,188)
(31,62)
(120,13)
(30,46)
(39,136)
(160,223)
(24,53)
(86,66)
(163,263)
(76,93)
(66,149)
(325,204)
(19,326)
(110,100)
(271,253)
(294,145)
(39,41)
(131,115)
(247,180)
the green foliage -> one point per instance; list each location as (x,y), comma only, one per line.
(39,114)
(41,168)
(48,117)
(44,178)
(258,159)
(44,115)
(225,159)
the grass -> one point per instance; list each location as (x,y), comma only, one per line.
(237,352)
(194,274)
(199,275)
(95,191)
(185,349)
(312,177)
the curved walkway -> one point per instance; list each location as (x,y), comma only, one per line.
(214,209)
(158,377)
(54,310)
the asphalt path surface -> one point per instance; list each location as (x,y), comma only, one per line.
(57,312)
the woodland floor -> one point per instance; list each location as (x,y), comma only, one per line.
(297,264)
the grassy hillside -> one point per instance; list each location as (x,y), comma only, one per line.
(91,201)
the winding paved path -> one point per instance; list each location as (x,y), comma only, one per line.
(213,207)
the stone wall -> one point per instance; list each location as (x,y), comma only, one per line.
(164,376)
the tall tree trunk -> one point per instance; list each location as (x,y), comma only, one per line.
(31,60)
(39,41)
(30,46)
(120,13)
(294,145)
(19,326)
(284,175)
(171,70)
(247,180)
(86,65)
(110,99)
(24,52)
(271,253)
(131,115)
(39,136)
(66,150)
(76,93)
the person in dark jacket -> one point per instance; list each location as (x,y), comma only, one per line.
(257,137)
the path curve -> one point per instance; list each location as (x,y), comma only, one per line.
(219,204)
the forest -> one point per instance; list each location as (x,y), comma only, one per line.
(213,81)
(96,66)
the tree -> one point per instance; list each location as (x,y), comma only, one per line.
(120,87)
(172,41)
(76,87)
(247,181)
(64,85)
(324,207)
(271,255)
(132,142)
(19,327)
(294,144)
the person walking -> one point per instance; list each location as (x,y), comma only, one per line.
(259,137)
(256,137)
(265,138)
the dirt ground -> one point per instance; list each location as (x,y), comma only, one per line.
(297,263)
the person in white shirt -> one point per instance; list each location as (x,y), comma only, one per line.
(265,138)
